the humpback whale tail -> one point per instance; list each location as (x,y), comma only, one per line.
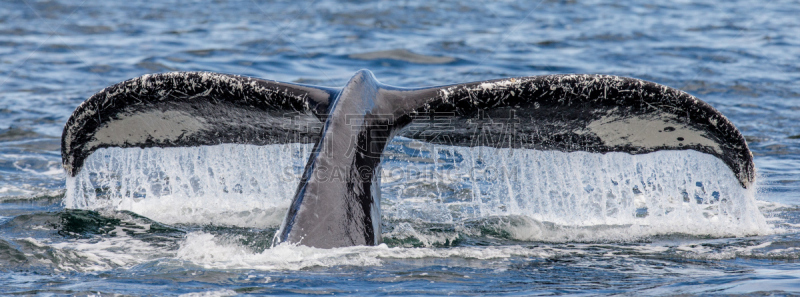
(337,201)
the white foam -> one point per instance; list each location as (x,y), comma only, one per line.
(208,251)
(94,255)
(222,252)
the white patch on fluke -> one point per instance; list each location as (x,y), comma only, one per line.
(156,125)
(647,133)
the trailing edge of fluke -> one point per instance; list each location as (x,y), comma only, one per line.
(337,200)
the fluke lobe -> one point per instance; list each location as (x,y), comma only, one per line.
(337,202)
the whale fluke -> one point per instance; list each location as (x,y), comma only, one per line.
(592,113)
(337,202)
(191,109)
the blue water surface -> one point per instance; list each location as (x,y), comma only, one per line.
(742,57)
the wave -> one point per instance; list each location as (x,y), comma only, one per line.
(100,241)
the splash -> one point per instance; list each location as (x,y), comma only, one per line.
(538,195)
(222,252)
(577,196)
(238,185)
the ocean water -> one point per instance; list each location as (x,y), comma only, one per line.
(456,221)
